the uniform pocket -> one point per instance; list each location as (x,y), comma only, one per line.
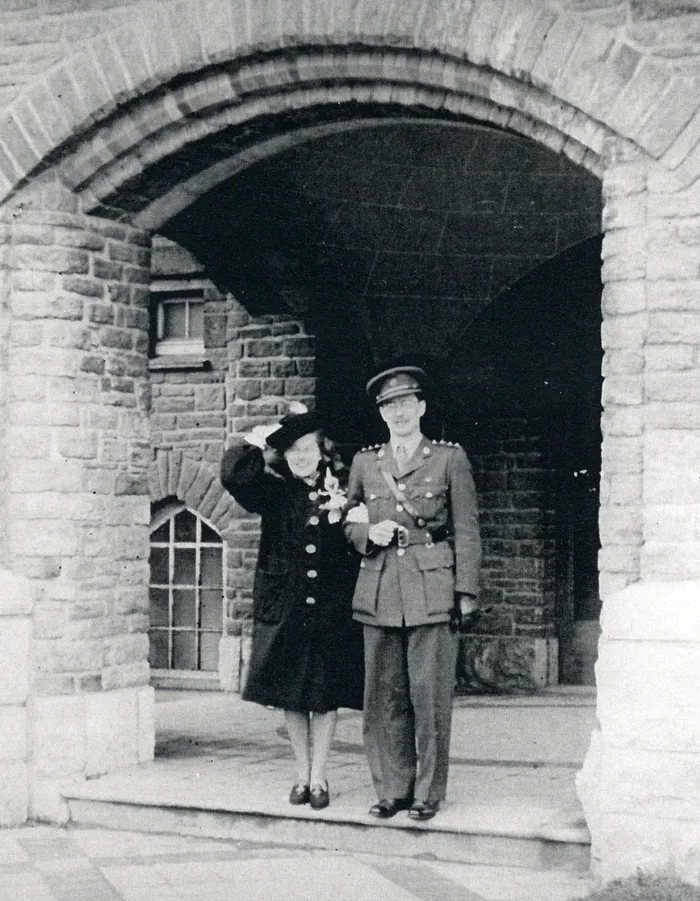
(429,500)
(436,566)
(367,586)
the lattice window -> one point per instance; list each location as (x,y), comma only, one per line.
(186,592)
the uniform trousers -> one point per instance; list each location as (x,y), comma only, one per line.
(409,688)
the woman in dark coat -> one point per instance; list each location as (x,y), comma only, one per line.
(306,655)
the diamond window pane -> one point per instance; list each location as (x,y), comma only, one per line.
(158,651)
(186,526)
(209,535)
(159,606)
(209,651)
(160,572)
(184,651)
(210,561)
(185,566)
(174,320)
(184,608)
(211,609)
(162,533)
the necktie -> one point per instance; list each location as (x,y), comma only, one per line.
(401,457)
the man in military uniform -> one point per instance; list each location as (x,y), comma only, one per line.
(413,517)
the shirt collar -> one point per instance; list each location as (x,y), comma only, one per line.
(410,446)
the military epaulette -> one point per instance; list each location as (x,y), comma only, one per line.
(446,443)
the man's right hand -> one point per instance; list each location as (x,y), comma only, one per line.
(382,533)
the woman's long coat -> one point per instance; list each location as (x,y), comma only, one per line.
(306,651)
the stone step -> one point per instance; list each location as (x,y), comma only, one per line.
(495,835)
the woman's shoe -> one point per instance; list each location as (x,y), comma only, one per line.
(299,794)
(319,797)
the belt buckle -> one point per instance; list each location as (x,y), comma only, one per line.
(402,536)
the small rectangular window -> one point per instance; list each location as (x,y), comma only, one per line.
(177,321)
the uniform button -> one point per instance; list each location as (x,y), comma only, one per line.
(428,493)
(313,520)
(373,497)
(312,574)
(310,601)
(310,548)
(402,487)
(313,495)
(426,451)
(401,551)
(362,565)
(399,508)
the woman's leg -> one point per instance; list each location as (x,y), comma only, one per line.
(299,734)
(322,731)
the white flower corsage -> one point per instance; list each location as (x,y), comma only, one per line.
(337,497)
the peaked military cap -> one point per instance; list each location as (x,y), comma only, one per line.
(398,381)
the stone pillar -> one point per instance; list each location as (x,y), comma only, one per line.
(639,785)
(76,504)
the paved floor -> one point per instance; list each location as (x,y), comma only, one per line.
(46,863)
(513,766)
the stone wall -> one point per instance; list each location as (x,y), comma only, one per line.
(515,646)
(15,684)
(77,453)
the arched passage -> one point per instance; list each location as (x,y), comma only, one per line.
(99,134)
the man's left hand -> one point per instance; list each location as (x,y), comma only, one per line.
(464,613)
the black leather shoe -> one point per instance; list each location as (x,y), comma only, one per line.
(389,807)
(299,794)
(423,810)
(319,797)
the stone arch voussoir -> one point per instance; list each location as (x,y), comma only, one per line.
(543,63)
(194,482)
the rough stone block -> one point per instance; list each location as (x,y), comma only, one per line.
(15,594)
(46,803)
(506,664)
(112,725)
(13,734)
(15,642)
(14,793)
(58,735)
(146,699)
(230,663)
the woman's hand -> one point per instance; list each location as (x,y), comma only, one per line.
(382,533)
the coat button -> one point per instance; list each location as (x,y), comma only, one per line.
(313,520)
(402,487)
(428,493)
(310,601)
(399,508)
(310,548)
(313,495)
(362,564)
(373,497)
(401,551)
(312,574)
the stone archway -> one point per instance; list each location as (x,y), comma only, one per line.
(82,141)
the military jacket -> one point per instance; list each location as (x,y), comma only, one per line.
(416,584)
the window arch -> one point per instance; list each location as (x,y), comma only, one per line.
(186,593)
